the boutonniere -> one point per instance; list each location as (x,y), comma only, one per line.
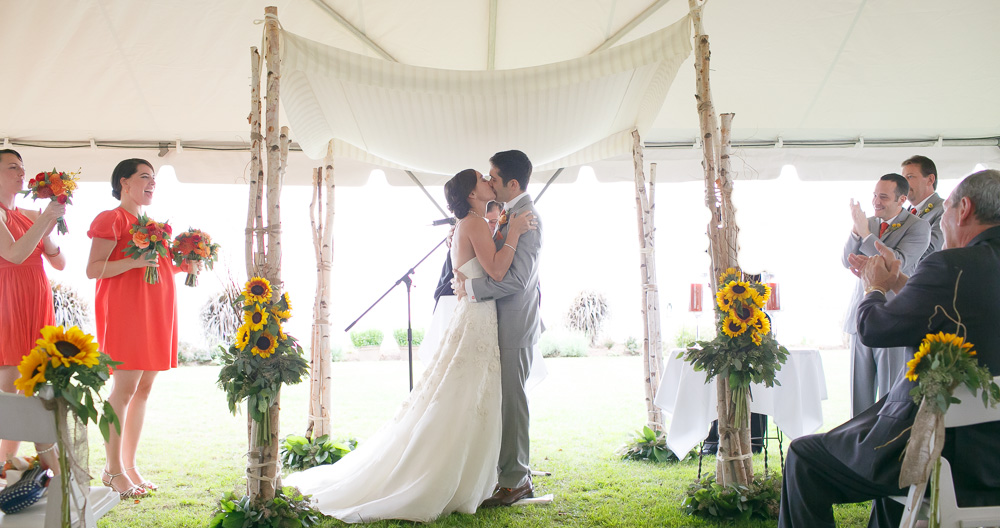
(893,227)
(927,209)
(501,221)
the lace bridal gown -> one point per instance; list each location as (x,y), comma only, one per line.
(439,453)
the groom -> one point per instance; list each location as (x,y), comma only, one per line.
(519,323)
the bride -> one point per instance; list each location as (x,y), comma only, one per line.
(439,453)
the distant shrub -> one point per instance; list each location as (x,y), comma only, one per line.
(631,346)
(365,338)
(70,307)
(684,337)
(563,343)
(609,343)
(587,314)
(221,316)
(191,354)
(400,335)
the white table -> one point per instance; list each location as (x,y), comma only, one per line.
(795,405)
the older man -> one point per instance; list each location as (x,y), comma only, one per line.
(876,368)
(860,460)
(921,174)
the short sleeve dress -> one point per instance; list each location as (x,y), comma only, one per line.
(136,321)
(25,297)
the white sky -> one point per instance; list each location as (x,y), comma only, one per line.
(790,228)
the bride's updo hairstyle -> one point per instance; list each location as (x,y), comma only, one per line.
(457,190)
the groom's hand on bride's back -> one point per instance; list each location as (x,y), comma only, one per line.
(458,284)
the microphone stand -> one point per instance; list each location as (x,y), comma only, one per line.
(405,279)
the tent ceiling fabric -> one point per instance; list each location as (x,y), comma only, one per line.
(158,71)
(442,121)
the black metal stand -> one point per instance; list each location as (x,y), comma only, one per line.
(405,279)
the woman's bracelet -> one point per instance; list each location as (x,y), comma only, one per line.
(43,451)
(510,246)
(56,254)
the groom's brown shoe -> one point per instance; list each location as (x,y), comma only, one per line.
(508,496)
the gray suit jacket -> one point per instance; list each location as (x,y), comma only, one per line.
(932,212)
(908,242)
(517,295)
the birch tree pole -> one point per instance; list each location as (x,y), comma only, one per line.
(651,343)
(733,464)
(321,211)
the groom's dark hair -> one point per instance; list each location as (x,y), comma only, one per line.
(513,165)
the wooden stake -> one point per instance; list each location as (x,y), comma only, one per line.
(651,343)
(321,218)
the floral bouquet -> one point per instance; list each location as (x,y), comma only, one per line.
(150,239)
(70,368)
(194,245)
(744,350)
(942,363)
(54,185)
(263,356)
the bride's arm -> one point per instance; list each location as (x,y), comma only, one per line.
(496,262)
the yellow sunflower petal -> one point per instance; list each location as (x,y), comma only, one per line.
(257,290)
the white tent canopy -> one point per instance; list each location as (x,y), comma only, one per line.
(158,74)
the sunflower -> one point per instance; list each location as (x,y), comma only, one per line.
(242,337)
(731,274)
(256,318)
(32,369)
(756,338)
(264,346)
(912,364)
(723,300)
(762,323)
(738,290)
(733,327)
(69,347)
(258,290)
(947,340)
(744,313)
(759,299)
(288,302)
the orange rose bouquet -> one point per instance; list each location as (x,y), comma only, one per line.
(194,245)
(54,185)
(150,239)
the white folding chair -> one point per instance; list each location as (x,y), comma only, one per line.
(970,412)
(26,419)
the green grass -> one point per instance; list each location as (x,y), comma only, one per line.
(587,408)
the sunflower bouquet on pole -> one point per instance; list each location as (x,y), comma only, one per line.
(67,370)
(941,364)
(263,356)
(194,245)
(54,185)
(150,240)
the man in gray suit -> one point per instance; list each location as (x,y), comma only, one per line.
(907,236)
(921,174)
(518,320)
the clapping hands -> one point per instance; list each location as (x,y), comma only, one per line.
(859,219)
(880,271)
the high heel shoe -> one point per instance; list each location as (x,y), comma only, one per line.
(145,484)
(133,492)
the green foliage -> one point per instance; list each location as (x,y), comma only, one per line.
(943,362)
(336,353)
(222,315)
(70,307)
(609,343)
(652,446)
(562,343)
(191,354)
(400,335)
(587,313)
(685,337)
(288,509)
(299,452)
(631,346)
(364,338)
(706,498)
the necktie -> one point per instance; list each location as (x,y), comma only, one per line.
(913,210)
(882,228)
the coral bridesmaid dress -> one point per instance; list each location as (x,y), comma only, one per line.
(25,297)
(136,321)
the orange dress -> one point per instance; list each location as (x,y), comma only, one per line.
(25,297)
(136,321)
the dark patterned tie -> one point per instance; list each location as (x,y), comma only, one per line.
(882,228)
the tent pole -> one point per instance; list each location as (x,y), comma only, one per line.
(321,212)
(552,179)
(427,194)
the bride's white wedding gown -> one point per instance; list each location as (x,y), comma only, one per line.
(439,453)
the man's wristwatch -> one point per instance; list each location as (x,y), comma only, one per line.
(874,289)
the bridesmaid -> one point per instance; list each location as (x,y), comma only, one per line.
(136,321)
(25,295)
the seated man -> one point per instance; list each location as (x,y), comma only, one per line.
(860,460)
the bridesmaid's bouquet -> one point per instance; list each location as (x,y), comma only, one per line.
(194,245)
(54,185)
(150,239)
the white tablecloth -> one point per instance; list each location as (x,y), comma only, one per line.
(794,405)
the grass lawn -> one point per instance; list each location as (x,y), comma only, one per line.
(588,407)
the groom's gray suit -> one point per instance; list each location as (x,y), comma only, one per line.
(878,368)
(519,323)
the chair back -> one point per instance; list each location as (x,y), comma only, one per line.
(26,419)
(971,411)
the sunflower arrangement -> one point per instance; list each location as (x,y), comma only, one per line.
(194,245)
(54,185)
(941,364)
(744,350)
(263,356)
(150,240)
(71,362)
